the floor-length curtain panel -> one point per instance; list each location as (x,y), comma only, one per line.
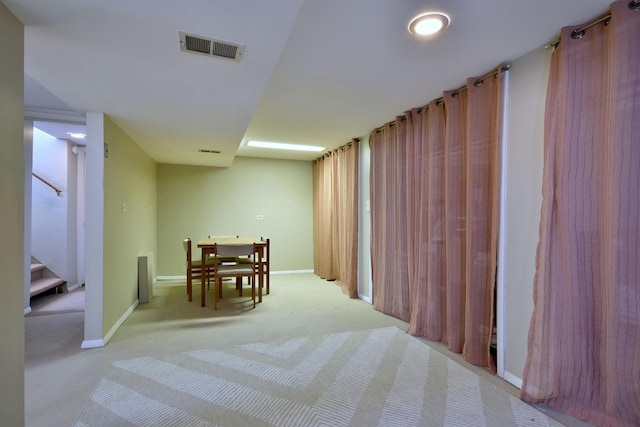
(434,193)
(456,217)
(483,169)
(471,197)
(347,172)
(426,222)
(389,264)
(323,208)
(335,198)
(414,174)
(584,339)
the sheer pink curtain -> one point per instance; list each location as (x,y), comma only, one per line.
(389,260)
(323,234)
(434,217)
(347,202)
(335,178)
(584,339)
(426,220)
(483,168)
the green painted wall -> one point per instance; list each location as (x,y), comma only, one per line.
(129,220)
(12,179)
(196,201)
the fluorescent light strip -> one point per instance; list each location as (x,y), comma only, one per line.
(283,146)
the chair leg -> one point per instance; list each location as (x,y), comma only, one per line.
(189,285)
(253,290)
(266,273)
(215,293)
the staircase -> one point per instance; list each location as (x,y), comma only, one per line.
(42,279)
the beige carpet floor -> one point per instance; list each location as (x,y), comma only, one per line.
(60,378)
(58,303)
(379,377)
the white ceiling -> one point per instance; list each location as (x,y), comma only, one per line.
(317,72)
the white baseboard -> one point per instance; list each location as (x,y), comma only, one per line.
(291,272)
(365,298)
(120,321)
(92,344)
(160,278)
(114,328)
(73,287)
(509,377)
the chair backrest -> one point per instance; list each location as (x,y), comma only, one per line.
(186,245)
(234,250)
(267,242)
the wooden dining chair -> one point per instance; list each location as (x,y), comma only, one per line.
(194,267)
(224,259)
(222,270)
(228,260)
(265,261)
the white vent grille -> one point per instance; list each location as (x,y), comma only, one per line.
(209,46)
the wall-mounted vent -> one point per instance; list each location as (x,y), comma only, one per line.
(204,150)
(209,46)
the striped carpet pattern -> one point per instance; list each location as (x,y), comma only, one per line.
(379,377)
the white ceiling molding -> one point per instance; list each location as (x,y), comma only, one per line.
(48,115)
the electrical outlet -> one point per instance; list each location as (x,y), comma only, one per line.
(259,217)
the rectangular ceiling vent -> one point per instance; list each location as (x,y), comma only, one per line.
(209,46)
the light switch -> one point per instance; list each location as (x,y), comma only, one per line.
(259,217)
(124,207)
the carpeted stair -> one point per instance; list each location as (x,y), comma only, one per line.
(42,279)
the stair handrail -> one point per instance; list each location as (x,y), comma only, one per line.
(56,189)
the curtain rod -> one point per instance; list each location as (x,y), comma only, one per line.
(500,70)
(579,32)
(342,147)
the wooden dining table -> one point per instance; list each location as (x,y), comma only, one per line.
(206,244)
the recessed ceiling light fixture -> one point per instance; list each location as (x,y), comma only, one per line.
(283,146)
(428,24)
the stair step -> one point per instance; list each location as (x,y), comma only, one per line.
(40,285)
(37,267)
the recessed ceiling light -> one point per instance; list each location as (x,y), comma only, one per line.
(428,24)
(77,135)
(283,146)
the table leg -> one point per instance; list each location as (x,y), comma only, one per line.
(189,283)
(217,282)
(266,267)
(260,274)
(204,276)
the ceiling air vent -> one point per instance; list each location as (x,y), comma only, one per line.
(209,46)
(204,150)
